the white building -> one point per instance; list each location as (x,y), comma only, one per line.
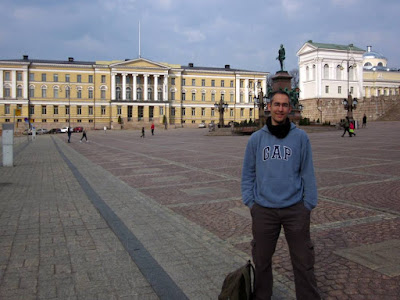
(330,71)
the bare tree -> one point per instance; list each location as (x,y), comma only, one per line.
(295,77)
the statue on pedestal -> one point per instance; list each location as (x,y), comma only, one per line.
(281,56)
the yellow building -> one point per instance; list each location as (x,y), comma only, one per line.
(130,92)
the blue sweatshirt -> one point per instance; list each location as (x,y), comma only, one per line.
(278,173)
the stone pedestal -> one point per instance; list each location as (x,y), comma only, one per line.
(281,80)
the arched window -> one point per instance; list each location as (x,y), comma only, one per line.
(326,71)
(128,93)
(103,92)
(44,91)
(55,92)
(313,72)
(380,64)
(32,91)
(339,72)
(90,92)
(367,65)
(7,91)
(118,93)
(149,94)
(139,94)
(307,73)
(19,91)
(160,97)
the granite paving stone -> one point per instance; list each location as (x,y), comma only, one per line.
(129,218)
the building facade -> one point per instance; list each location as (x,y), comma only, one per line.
(130,93)
(330,72)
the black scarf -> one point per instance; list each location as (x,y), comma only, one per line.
(281,130)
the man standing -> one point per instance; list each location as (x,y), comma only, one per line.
(152,128)
(364,124)
(279,187)
(69,134)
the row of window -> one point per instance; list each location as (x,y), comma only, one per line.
(56,110)
(7,77)
(203,112)
(45,120)
(339,90)
(339,71)
(7,110)
(386,92)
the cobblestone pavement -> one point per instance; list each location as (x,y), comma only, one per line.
(122,217)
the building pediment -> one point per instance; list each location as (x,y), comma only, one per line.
(139,63)
(306,48)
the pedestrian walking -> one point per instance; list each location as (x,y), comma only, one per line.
(152,128)
(69,134)
(346,126)
(351,129)
(364,123)
(105,129)
(279,186)
(142,136)
(83,135)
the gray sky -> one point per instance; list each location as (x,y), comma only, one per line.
(211,33)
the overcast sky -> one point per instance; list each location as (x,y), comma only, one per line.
(211,33)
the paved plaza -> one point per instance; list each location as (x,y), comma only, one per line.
(122,217)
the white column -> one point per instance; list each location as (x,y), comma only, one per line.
(246,91)
(264,86)
(1,84)
(134,94)
(113,86)
(155,87)
(145,76)
(318,81)
(124,86)
(13,84)
(165,89)
(26,87)
(237,90)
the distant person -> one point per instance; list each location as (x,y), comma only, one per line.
(69,134)
(351,129)
(346,125)
(105,129)
(152,128)
(142,136)
(364,124)
(83,135)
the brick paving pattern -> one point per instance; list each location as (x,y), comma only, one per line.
(178,194)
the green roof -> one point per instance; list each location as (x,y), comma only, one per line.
(336,46)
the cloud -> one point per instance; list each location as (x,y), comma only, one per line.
(345,2)
(193,35)
(85,43)
(291,7)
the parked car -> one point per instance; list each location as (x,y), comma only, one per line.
(64,129)
(54,130)
(77,129)
(202,125)
(41,131)
(27,132)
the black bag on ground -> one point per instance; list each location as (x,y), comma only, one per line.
(238,285)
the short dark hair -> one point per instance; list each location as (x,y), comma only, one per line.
(279,93)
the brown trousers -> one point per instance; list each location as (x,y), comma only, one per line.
(267,223)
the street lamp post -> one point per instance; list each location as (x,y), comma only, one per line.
(221,106)
(350,103)
(261,101)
